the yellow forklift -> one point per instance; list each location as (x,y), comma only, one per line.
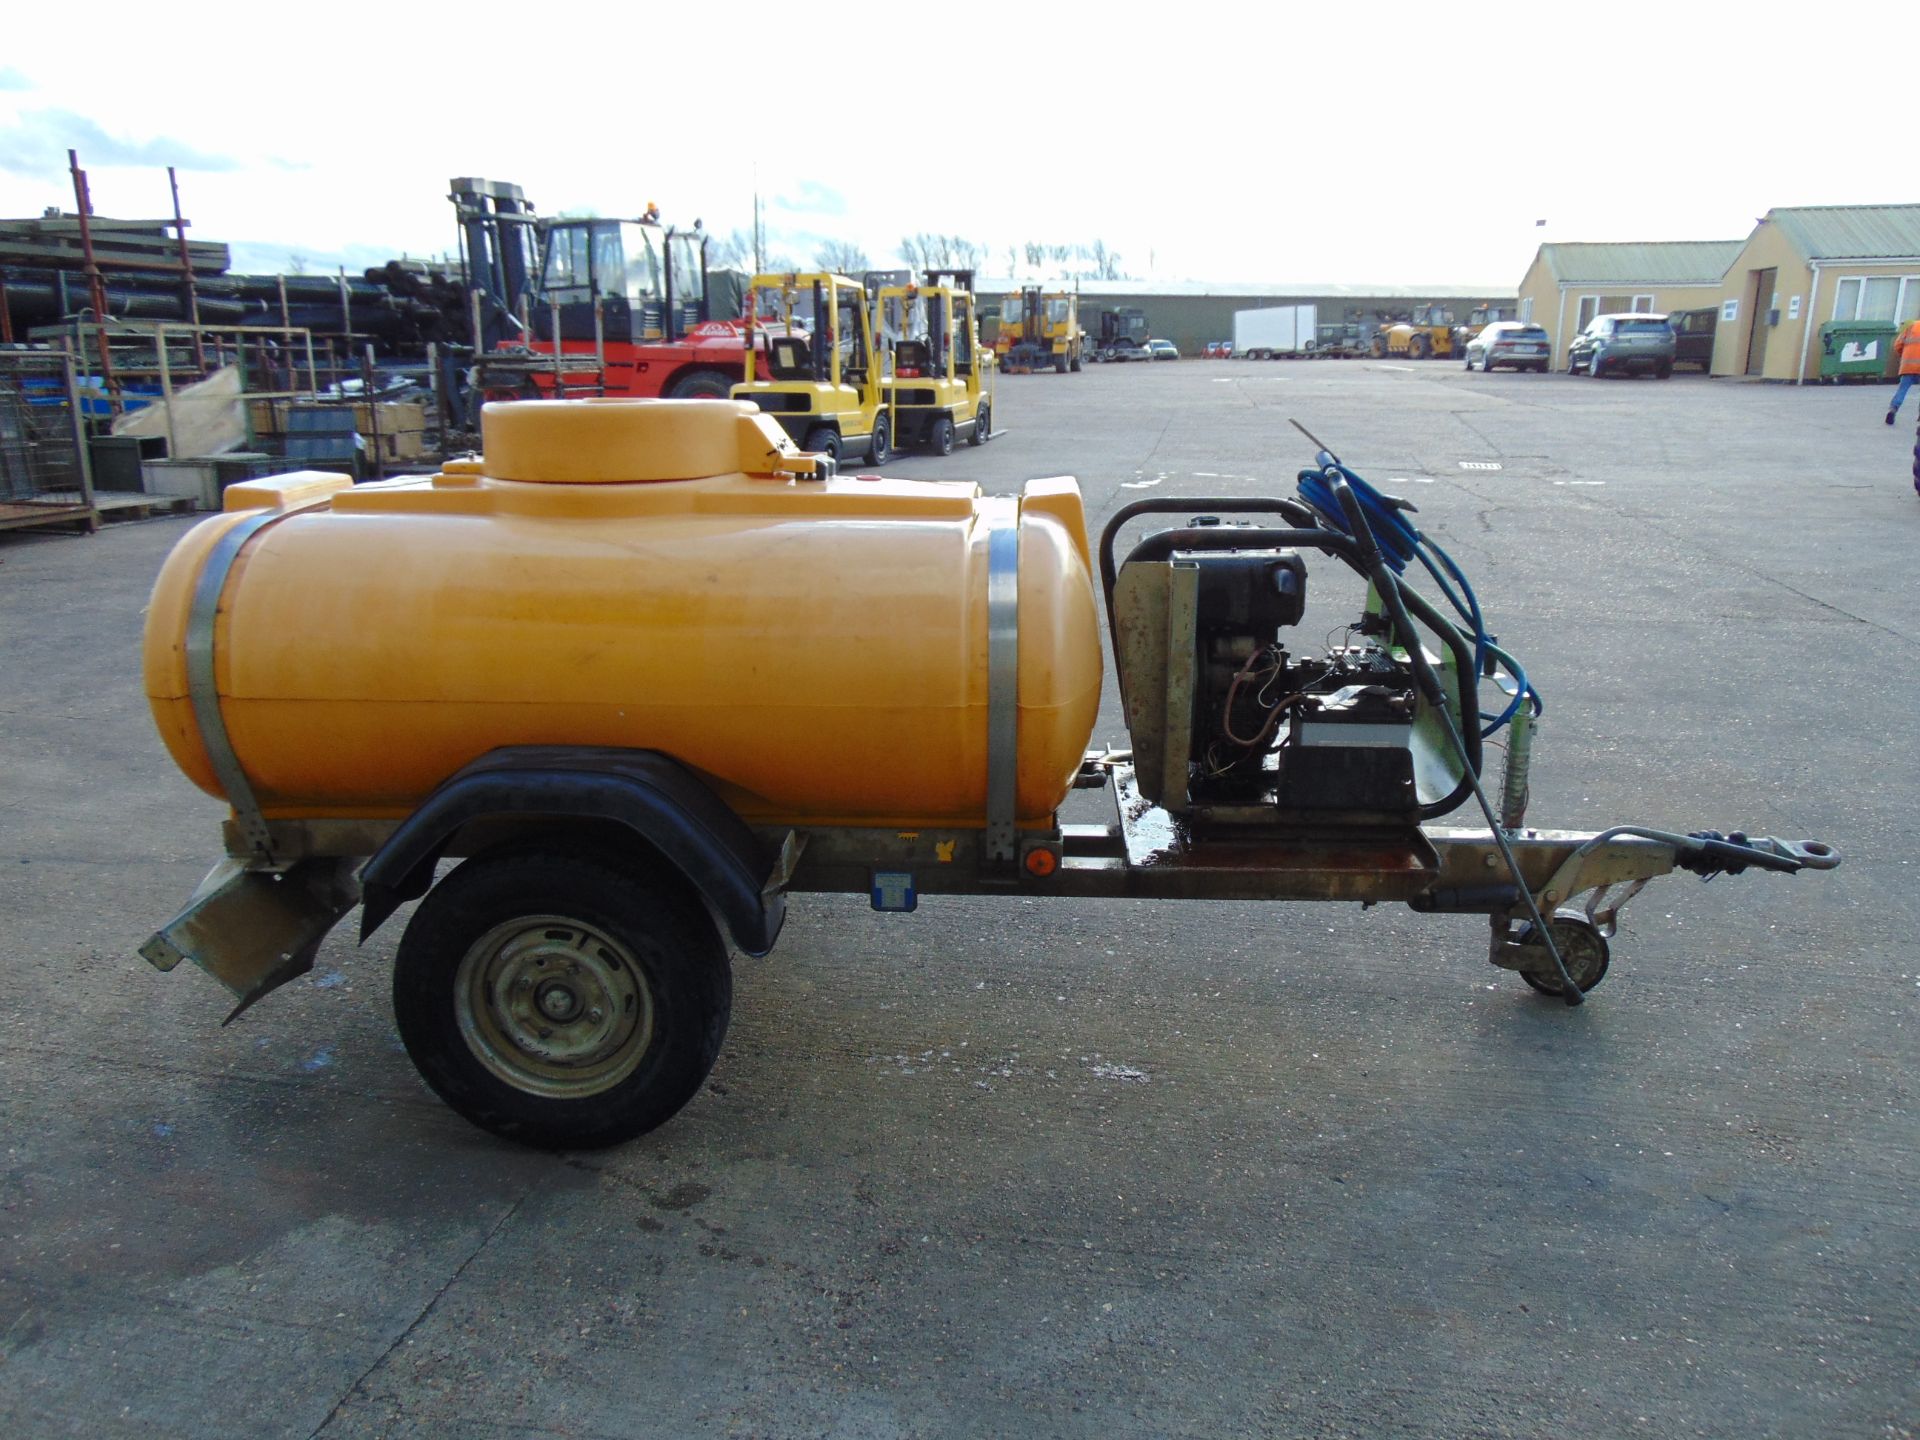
(826,389)
(1040,328)
(1427,334)
(942,384)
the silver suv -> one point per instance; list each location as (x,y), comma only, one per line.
(1509,342)
(1623,344)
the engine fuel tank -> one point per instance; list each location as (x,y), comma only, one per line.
(649,574)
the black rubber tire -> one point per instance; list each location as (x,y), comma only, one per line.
(1074,363)
(880,444)
(1593,367)
(940,436)
(1469,362)
(703,385)
(822,440)
(1665,372)
(982,425)
(1419,348)
(1378,347)
(655,933)
(1582,948)
(1059,364)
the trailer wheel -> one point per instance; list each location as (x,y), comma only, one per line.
(1582,947)
(703,385)
(940,438)
(822,440)
(554,997)
(880,446)
(983,425)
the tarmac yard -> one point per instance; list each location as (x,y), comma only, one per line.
(1019,1167)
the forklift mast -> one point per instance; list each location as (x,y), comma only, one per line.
(500,245)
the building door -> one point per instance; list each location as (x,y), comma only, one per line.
(1760,306)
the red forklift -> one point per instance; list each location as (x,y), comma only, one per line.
(629,300)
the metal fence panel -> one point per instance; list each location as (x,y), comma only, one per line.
(44,474)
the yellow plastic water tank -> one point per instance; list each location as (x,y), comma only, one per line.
(648,574)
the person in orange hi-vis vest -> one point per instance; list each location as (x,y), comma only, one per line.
(1909,347)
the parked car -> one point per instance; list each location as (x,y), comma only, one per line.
(1162,350)
(1219,349)
(1693,336)
(1509,342)
(1630,343)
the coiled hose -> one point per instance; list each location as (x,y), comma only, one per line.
(1401,541)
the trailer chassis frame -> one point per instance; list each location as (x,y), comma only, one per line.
(256,923)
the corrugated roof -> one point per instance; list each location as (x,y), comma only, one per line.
(1852,232)
(1650,262)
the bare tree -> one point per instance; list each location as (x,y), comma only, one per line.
(1013,260)
(842,257)
(1036,254)
(910,252)
(732,251)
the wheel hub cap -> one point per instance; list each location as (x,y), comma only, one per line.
(553,1005)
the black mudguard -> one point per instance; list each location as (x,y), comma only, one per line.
(656,797)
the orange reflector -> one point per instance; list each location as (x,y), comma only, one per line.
(1042,863)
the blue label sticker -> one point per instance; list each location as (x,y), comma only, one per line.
(893,890)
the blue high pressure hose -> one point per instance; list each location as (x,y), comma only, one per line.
(1400,541)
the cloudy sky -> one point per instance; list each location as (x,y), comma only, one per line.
(1351,143)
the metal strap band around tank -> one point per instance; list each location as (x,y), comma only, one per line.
(201,688)
(1003,683)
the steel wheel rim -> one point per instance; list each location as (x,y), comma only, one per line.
(1582,951)
(553,1006)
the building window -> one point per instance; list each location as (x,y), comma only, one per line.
(1592,305)
(1877,297)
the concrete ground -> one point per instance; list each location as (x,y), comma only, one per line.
(1079,1169)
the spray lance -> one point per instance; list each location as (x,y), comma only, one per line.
(1334,477)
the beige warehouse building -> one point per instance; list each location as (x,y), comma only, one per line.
(1571,282)
(1802,267)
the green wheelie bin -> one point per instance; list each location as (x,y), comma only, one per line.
(1857,350)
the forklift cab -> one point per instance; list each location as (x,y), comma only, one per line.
(934,393)
(647,282)
(824,387)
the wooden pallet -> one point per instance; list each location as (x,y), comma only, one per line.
(21,514)
(67,509)
(129,506)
